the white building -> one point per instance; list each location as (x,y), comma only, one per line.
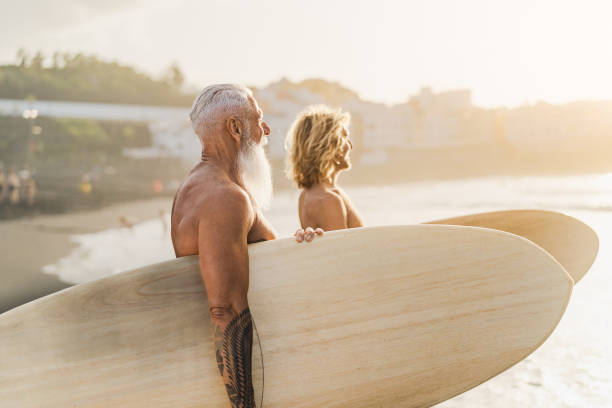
(281,104)
(171,130)
(543,127)
(427,121)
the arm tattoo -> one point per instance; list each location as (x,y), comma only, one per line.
(233,352)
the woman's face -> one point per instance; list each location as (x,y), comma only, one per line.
(343,160)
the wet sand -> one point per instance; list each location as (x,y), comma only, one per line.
(29,244)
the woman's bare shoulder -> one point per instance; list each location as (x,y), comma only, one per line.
(320,198)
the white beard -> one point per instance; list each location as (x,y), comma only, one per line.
(254,170)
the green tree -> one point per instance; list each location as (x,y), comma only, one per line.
(80,77)
(174,76)
(22,58)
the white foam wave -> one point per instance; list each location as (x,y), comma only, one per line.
(112,251)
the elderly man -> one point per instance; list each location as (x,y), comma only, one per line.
(217,212)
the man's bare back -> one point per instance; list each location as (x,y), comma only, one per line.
(203,184)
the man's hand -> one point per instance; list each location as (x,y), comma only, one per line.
(308,234)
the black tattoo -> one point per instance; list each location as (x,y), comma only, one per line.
(233,353)
(218,348)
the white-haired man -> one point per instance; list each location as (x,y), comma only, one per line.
(217,212)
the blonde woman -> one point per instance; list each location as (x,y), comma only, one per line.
(319,148)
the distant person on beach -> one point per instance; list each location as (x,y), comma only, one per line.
(13,184)
(28,186)
(2,185)
(164,222)
(85,186)
(158,186)
(125,222)
(217,211)
(86,189)
(30,191)
(319,149)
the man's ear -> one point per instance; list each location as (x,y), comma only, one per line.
(234,128)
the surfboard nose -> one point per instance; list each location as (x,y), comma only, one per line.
(573,243)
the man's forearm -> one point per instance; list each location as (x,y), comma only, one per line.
(233,348)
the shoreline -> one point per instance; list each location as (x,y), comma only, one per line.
(34,242)
(31,243)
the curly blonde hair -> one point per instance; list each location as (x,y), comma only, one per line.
(314,140)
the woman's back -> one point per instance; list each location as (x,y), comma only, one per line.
(327,207)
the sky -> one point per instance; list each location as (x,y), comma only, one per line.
(507,52)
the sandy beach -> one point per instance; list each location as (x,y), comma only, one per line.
(29,244)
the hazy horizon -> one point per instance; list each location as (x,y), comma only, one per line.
(507,54)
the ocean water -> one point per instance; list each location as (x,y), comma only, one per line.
(573,368)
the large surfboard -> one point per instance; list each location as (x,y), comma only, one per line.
(400,316)
(570,241)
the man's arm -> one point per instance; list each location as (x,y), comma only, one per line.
(223,227)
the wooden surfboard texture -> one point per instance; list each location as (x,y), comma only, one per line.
(400,316)
(573,243)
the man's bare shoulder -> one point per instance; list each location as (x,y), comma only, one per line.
(224,203)
(218,208)
(205,189)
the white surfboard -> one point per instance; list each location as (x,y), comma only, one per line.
(570,241)
(403,316)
